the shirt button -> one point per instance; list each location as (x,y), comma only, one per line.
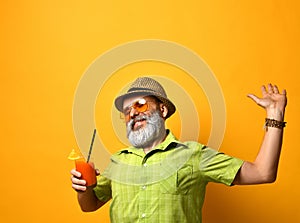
(144,187)
(145,164)
(143,215)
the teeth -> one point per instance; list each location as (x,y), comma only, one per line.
(138,123)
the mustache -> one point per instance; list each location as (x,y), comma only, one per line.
(136,119)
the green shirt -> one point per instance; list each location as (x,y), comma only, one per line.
(166,185)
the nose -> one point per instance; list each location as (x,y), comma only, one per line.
(133,113)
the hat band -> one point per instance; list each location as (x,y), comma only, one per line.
(145,89)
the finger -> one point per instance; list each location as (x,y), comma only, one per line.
(275,89)
(97,172)
(77,181)
(75,173)
(254,98)
(78,188)
(284,91)
(264,90)
(270,88)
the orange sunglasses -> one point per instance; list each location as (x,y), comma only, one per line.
(141,105)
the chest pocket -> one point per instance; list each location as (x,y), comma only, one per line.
(178,183)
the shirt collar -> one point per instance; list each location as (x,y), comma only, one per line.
(170,139)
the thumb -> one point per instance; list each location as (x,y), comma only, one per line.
(254,98)
(257,100)
(97,172)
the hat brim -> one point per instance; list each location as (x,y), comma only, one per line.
(119,100)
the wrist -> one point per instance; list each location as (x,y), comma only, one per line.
(275,114)
(274,123)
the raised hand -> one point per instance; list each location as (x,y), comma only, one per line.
(272,101)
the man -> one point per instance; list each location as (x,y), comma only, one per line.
(160,179)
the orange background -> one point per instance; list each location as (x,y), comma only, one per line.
(47,45)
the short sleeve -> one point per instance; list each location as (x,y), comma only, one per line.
(103,189)
(219,167)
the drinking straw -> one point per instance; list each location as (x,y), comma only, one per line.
(91,146)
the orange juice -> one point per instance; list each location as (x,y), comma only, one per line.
(87,171)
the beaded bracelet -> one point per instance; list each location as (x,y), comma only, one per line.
(274,123)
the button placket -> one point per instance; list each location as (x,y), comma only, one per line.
(142,198)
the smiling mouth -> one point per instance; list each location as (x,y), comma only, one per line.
(138,123)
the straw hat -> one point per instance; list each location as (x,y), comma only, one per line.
(146,86)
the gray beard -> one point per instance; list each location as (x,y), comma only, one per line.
(144,137)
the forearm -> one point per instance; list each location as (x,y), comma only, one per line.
(264,168)
(88,201)
(267,159)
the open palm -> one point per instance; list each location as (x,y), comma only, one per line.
(272,100)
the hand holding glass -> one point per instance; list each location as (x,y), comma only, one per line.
(87,170)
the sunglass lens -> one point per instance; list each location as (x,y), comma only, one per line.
(140,105)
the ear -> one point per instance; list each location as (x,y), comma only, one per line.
(164,110)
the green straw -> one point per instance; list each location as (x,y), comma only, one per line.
(91,146)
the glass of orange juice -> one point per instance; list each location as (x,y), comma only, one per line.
(87,170)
